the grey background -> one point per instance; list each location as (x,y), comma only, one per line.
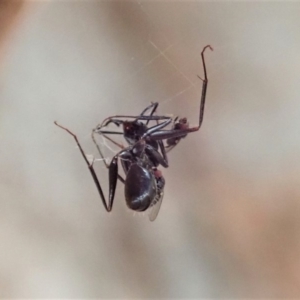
(229,222)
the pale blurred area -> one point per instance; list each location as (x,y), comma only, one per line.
(229,225)
(9,12)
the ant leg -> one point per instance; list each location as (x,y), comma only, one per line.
(118,122)
(152,112)
(180,133)
(101,154)
(157,127)
(156,156)
(172,133)
(204,86)
(163,151)
(111,140)
(154,105)
(164,158)
(109,132)
(113,173)
(113,176)
(98,148)
(160,158)
(115,119)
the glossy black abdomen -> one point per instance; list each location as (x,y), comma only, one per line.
(140,188)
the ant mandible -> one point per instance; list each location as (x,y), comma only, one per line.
(146,150)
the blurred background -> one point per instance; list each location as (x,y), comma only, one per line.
(229,225)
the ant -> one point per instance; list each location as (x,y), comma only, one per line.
(146,150)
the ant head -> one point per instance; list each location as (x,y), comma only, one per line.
(129,127)
(133,131)
(133,128)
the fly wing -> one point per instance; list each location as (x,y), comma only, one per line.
(154,209)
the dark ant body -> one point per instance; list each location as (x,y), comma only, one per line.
(144,183)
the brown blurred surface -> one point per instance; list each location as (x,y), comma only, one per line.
(229,222)
(9,11)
